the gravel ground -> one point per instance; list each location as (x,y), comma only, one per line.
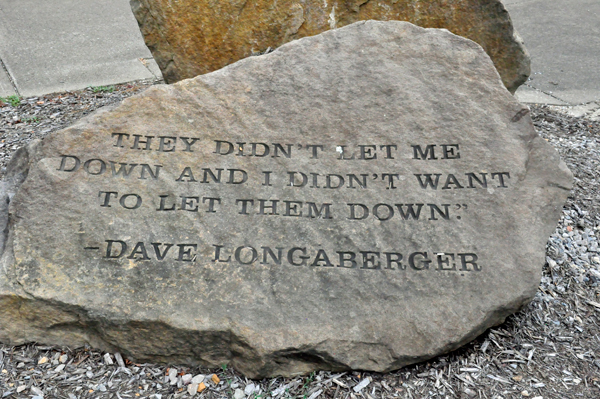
(551,349)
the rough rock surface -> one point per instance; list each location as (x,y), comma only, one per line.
(190,37)
(130,244)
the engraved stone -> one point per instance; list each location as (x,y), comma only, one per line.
(192,37)
(364,199)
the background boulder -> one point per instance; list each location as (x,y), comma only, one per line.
(193,37)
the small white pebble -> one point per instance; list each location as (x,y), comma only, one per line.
(192,388)
(173,376)
(186,379)
(239,394)
(198,379)
(59,368)
(249,390)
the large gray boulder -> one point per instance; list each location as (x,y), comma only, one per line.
(366,198)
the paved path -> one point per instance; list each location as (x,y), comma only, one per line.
(56,45)
(563,38)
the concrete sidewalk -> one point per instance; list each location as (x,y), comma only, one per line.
(563,38)
(57,45)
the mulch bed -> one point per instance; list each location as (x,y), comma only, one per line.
(551,349)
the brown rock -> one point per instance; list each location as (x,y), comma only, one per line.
(302,210)
(194,37)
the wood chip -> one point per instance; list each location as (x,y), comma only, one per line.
(339,383)
(119,359)
(594,304)
(107,359)
(316,394)
(499,379)
(359,387)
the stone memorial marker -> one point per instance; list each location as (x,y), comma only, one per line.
(366,198)
(192,37)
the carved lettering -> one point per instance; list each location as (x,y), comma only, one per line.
(384,212)
(449,151)
(147,143)
(291,208)
(297,256)
(453,182)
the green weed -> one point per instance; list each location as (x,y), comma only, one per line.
(103,89)
(13,100)
(309,379)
